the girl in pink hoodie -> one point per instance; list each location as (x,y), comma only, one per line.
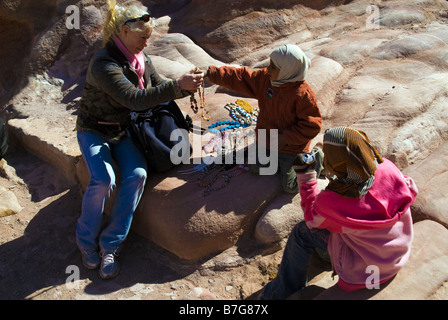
(363,218)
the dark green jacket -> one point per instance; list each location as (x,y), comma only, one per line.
(111,93)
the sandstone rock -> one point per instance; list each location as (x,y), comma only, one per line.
(415,124)
(170,69)
(358,47)
(226,260)
(21,22)
(8,203)
(175,54)
(408,45)
(281,216)
(357,97)
(92,23)
(423,277)
(436,57)
(391,17)
(64,50)
(259,58)
(322,73)
(199,293)
(430,175)
(174,214)
(233,33)
(51,143)
(404,100)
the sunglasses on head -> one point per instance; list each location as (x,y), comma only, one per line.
(144,18)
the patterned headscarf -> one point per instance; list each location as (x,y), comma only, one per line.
(351,159)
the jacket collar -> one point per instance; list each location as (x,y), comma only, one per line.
(116,54)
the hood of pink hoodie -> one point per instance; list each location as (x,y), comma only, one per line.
(390,197)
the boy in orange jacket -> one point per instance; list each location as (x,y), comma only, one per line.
(286,102)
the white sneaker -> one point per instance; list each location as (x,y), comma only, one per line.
(109,265)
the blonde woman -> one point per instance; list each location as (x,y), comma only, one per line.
(120,78)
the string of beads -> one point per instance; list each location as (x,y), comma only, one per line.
(238,113)
(242,118)
(228,125)
(194,103)
(216,173)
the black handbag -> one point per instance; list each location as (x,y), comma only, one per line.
(153,130)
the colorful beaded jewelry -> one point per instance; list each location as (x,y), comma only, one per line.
(218,140)
(245,105)
(229,125)
(239,114)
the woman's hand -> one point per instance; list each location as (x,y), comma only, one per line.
(191,81)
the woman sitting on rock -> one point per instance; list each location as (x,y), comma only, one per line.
(120,78)
(286,102)
(363,218)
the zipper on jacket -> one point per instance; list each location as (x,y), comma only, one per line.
(130,68)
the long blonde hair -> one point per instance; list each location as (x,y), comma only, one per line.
(118,15)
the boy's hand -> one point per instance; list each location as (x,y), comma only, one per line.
(308,162)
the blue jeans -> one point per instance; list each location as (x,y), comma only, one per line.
(99,156)
(292,273)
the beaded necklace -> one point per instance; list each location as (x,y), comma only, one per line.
(232,171)
(240,114)
(202,101)
(194,103)
(210,174)
(241,118)
(229,125)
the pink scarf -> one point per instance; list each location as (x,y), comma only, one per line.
(137,61)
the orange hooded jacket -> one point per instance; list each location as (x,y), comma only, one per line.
(291,108)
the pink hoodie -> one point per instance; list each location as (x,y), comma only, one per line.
(374,231)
